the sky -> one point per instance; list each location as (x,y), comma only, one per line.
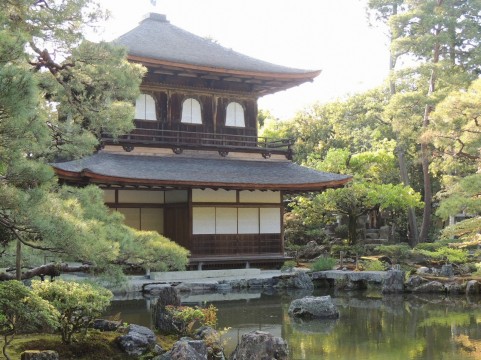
(329,35)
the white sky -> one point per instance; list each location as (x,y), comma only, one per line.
(331,35)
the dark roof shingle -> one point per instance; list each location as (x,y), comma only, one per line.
(156,38)
(200,172)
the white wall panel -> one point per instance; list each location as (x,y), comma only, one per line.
(210,195)
(226,221)
(141,197)
(265,197)
(248,220)
(152,219)
(109,196)
(203,220)
(270,220)
(132,217)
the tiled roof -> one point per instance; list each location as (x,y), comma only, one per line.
(156,38)
(197,172)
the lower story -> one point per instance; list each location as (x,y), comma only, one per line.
(237,228)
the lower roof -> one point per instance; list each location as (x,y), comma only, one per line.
(173,171)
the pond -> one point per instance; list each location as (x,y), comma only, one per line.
(371,326)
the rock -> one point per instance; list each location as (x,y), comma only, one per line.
(188,349)
(447,270)
(433,287)
(162,319)
(106,325)
(423,270)
(385,232)
(311,250)
(137,341)
(472,287)
(455,288)
(415,281)
(260,345)
(164,356)
(39,355)
(393,282)
(212,340)
(299,280)
(311,307)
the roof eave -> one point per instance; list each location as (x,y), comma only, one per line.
(95,178)
(305,76)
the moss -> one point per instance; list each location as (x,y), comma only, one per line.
(96,345)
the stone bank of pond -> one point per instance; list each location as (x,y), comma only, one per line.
(371,326)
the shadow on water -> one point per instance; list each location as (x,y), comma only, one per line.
(371,326)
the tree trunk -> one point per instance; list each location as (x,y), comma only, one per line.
(413,237)
(412,224)
(6,342)
(428,195)
(46,270)
(18,261)
(352,229)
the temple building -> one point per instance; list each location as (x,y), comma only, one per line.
(194,168)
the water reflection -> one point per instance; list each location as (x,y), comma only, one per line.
(370,326)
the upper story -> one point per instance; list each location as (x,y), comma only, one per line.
(199,95)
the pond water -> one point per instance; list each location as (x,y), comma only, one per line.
(371,326)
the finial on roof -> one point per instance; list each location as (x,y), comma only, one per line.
(155,17)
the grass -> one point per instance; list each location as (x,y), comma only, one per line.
(97,345)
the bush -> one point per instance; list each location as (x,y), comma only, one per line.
(323,263)
(288,265)
(187,319)
(20,309)
(373,265)
(78,304)
(397,252)
(457,256)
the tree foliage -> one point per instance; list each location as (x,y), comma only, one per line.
(58,93)
(22,310)
(77,304)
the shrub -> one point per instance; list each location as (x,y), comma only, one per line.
(457,256)
(78,304)
(373,265)
(20,309)
(187,319)
(288,265)
(397,252)
(323,263)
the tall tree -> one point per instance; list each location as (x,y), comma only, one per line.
(58,92)
(441,37)
(382,11)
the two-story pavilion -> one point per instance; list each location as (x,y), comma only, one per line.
(194,168)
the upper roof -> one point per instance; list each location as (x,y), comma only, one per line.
(156,40)
(174,171)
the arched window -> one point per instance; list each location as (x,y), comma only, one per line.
(235,115)
(191,113)
(145,108)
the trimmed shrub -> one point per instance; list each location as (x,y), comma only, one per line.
(323,263)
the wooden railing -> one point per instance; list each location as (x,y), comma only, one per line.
(180,140)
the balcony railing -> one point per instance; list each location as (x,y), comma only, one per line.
(223,143)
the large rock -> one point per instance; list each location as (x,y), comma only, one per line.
(299,280)
(212,340)
(260,345)
(447,270)
(311,307)
(188,349)
(431,287)
(138,340)
(106,325)
(472,287)
(311,250)
(39,355)
(393,282)
(162,319)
